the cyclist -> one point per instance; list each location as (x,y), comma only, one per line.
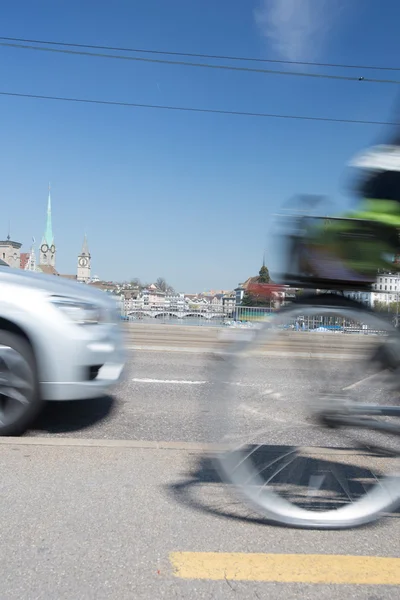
(355,247)
(345,251)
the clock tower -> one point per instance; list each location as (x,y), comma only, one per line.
(83,271)
(47,247)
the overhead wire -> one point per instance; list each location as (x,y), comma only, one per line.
(201,65)
(200,55)
(195,109)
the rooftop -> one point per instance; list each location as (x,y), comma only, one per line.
(48,270)
(16,245)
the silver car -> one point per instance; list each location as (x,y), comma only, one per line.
(59,340)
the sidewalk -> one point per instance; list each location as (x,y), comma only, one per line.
(101,522)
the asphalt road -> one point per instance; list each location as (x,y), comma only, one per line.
(121,523)
(138,410)
(115,498)
(161,398)
(165,397)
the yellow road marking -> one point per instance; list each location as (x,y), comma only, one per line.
(287,568)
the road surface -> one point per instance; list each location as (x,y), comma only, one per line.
(115,498)
(102,522)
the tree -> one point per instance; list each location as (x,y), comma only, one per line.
(135,282)
(263,275)
(383,307)
(163,286)
(257,300)
(262,297)
(248,300)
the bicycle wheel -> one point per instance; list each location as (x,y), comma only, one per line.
(269,395)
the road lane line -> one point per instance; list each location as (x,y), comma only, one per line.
(172,381)
(287,568)
(361,381)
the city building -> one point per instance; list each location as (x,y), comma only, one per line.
(47,253)
(387,282)
(154,297)
(228,303)
(239,293)
(30,263)
(385,290)
(216,303)
(10,252)
(367,298)
(175,302)
(24,258)
(84,258)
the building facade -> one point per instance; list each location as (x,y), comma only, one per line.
(84,258)
(10,252)
(47,254)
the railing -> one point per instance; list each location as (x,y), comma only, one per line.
(215,316)
(243,317)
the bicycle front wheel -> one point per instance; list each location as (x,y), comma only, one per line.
(268,396)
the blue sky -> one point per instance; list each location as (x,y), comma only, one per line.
(186,196)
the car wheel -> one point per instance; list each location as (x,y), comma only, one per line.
(20,399)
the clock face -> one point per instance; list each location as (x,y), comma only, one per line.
(44,248)
(83,262)
(53,248)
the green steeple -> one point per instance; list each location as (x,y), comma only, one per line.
(48,234)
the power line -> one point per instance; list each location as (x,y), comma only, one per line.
(208,56)
(197,110)
(200,65)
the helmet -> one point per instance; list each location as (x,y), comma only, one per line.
(380,172)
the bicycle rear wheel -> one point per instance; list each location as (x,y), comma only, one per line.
(268,394)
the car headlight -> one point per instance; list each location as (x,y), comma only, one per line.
(79,311)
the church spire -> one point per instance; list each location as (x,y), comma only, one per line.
(47,248)
(84,258)
(31,262)
(48,235)
(85,247)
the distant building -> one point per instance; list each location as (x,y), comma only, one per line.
(10,252)
(152,296)
(24,259)
(228,303)
(175,302)
(239,293)
(84,258)
(47,255)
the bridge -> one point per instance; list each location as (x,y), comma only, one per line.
(163,313)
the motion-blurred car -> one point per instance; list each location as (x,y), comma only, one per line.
(59,340)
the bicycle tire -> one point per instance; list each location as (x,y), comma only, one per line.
(235,469)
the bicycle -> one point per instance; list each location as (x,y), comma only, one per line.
(350,415)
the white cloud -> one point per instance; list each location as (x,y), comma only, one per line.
(297,29)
